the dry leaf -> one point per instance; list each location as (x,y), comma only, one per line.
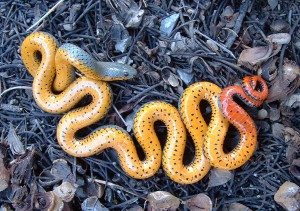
(274,114)
(136,208)
(291,136)
(288,196)
(62,171)
(162,200)
(268,69)
(255,56)
(238,207)
(219,177)
(168,24)
(15,144)
(295,168)
(21,169)
(170,77)
(180,44)
(287,84)
(65,191)
(273,3)
(199,202)
(291,153)
(280,26)
(129,121)
(290,70)
(278,130)
(293,101)
(57,204)
(4,174)
(68,24)
(228,17)
(185,76)
(279,38)
(93,204)
(49,202)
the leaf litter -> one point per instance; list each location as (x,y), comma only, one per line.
(201,43)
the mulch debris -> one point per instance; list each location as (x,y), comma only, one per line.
(172,44)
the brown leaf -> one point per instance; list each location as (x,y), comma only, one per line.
(48,201)
(4,174)
(180,44)
(279,38)
(162,200)
(268,69)
(295,168)
(136,208)
(288,196)
(170,77)
(185,76)
(62,171)
(228,17)
(21,169)
(199,202)
(278,130)
(255,56)
(286,84)
(94,189)
(293,101)
(65,191)
(274,114)
(92,204)
(273,3)
(129,121)
(291,153)
(56,203)
(290,70)
(219,177)
(280,26)
(238,207)
(291,136)
(15,144)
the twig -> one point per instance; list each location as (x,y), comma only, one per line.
(144,92)
(44,16)
(118,113)
(238,24)
(224,48)
(13,88)
(112,185)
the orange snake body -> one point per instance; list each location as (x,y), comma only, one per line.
(54,73)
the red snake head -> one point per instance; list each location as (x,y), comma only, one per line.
(256,88)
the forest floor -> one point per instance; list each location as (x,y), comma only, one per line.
(172,44)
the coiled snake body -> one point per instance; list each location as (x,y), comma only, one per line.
(53,73)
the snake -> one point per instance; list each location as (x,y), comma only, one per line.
(57,90)
(253,91)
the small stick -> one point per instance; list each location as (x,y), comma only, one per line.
(112,185)
(238,24)
(13,88)
(224,48)
(118,113)
(144,92)
(44,16)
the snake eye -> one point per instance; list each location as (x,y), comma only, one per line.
(126,73)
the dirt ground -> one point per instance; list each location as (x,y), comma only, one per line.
(172,44)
